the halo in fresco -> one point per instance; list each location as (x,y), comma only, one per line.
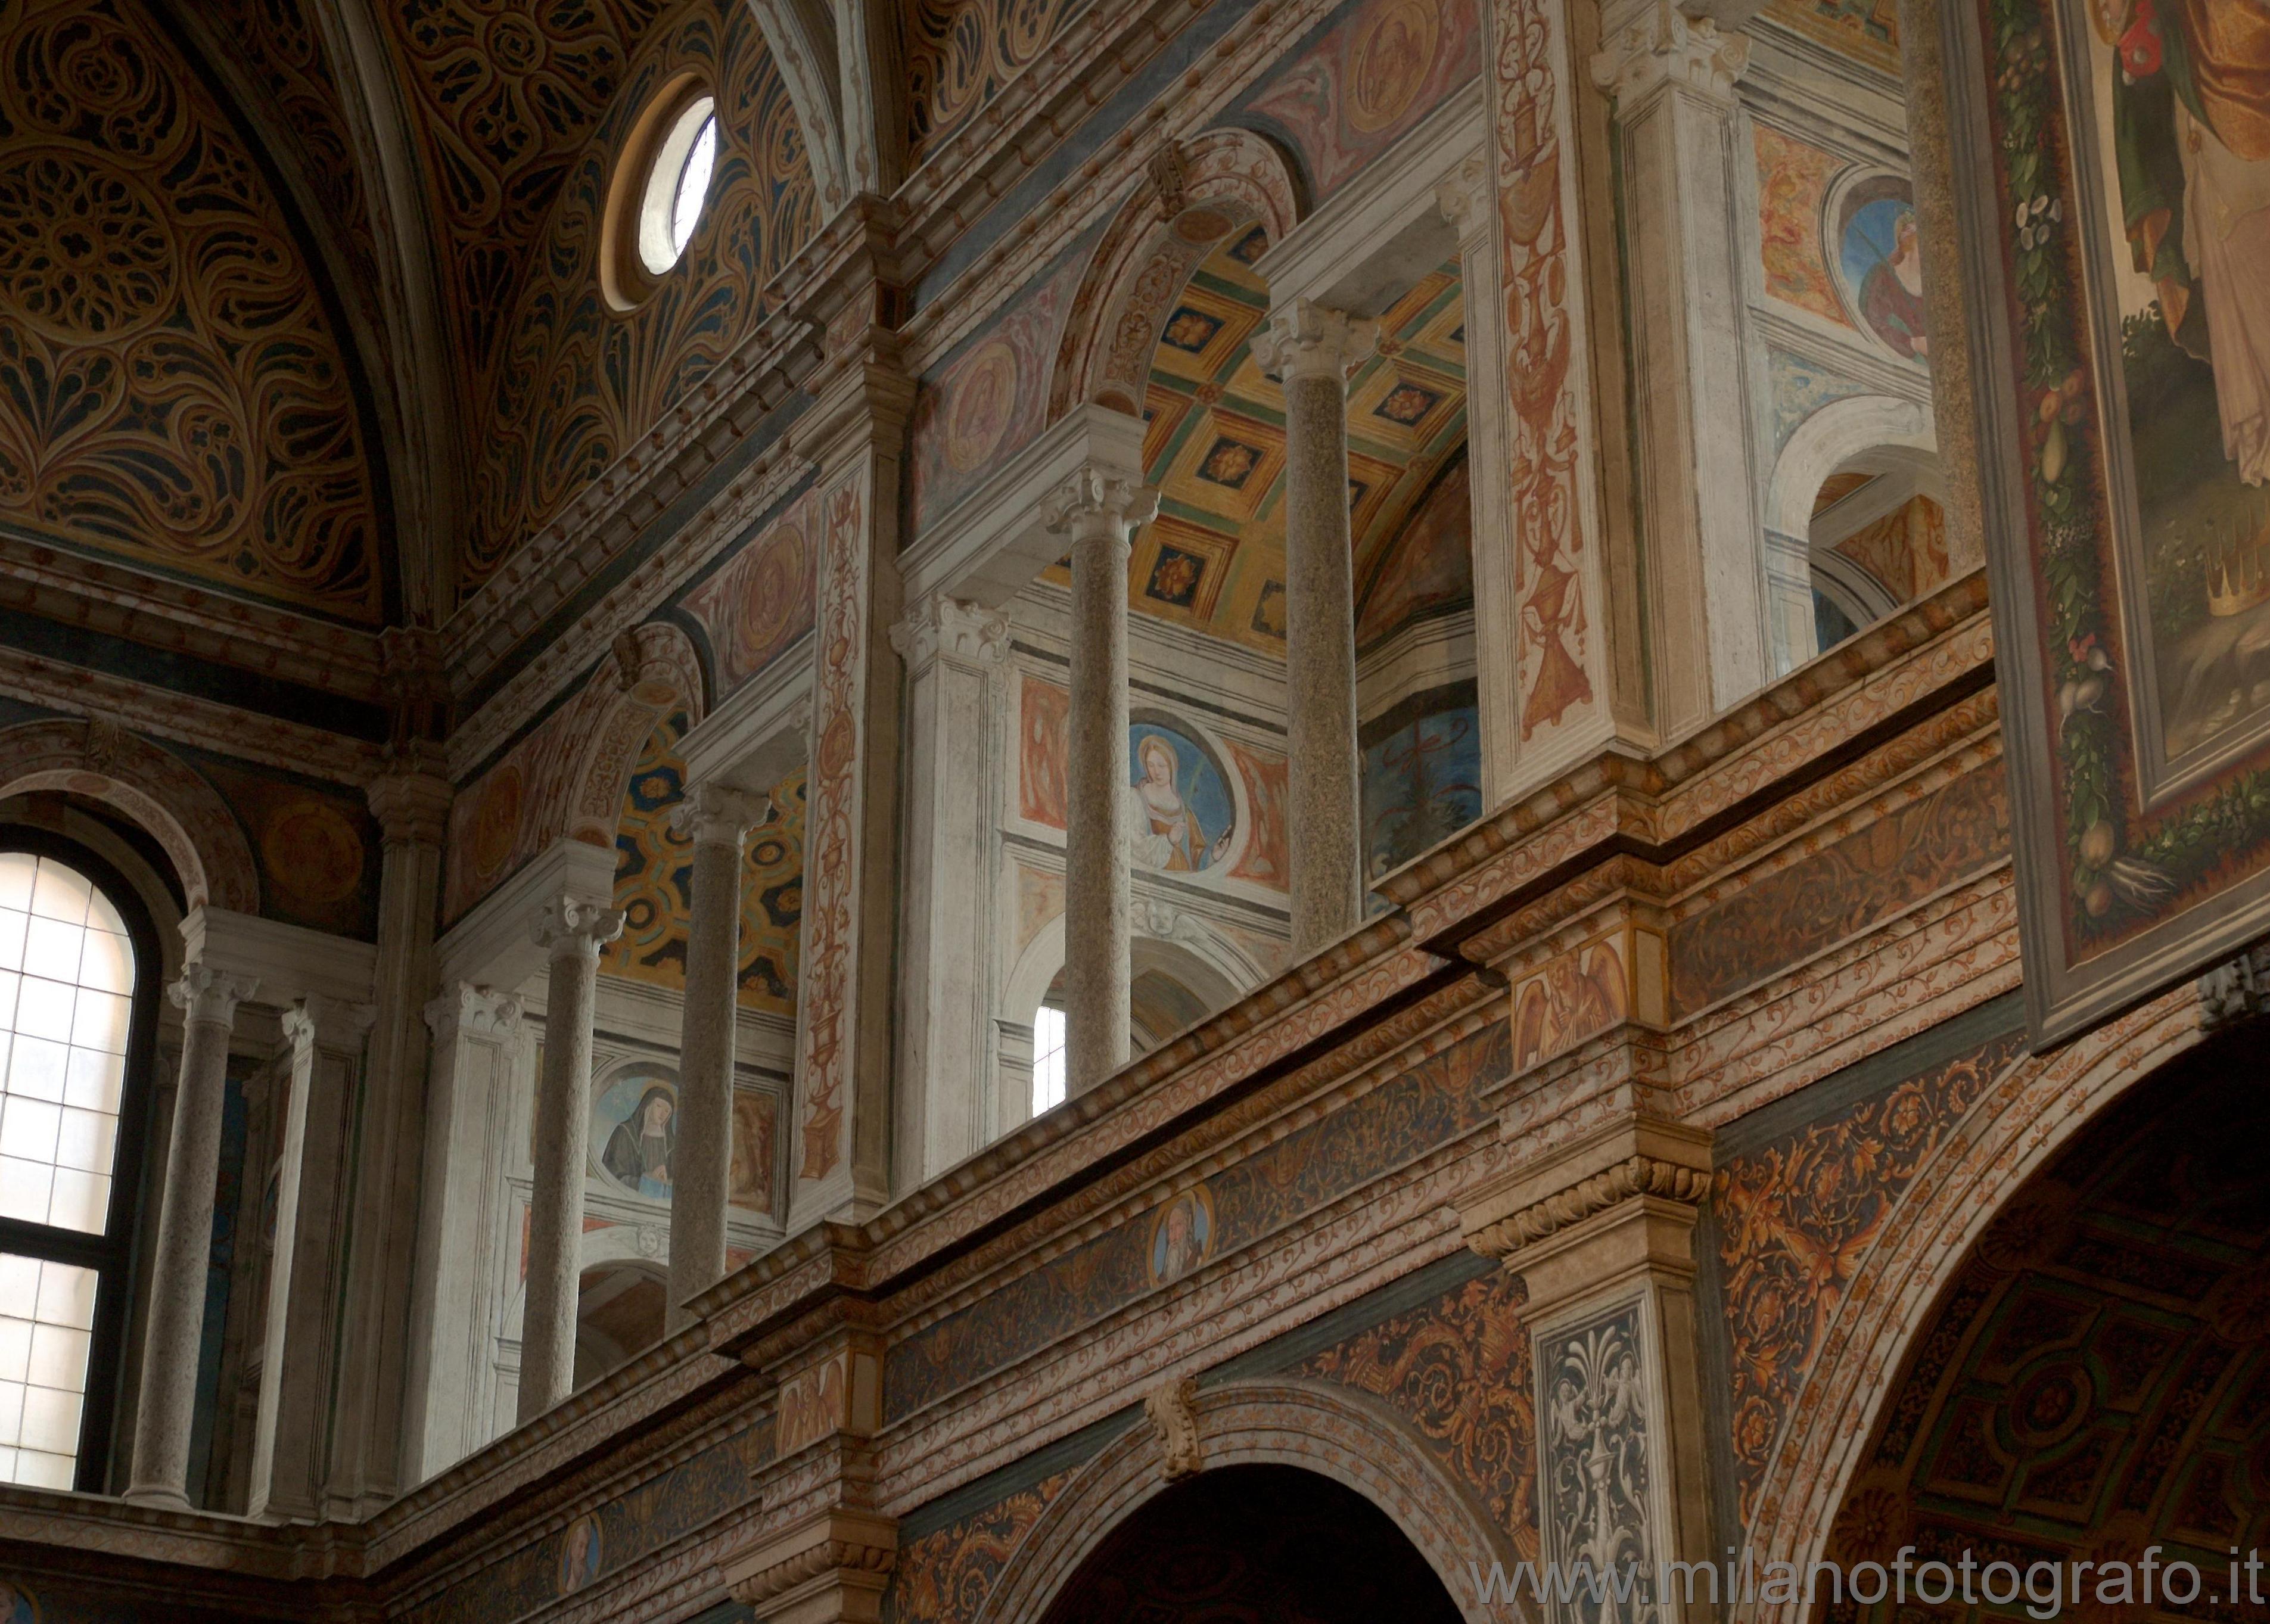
(1180,813)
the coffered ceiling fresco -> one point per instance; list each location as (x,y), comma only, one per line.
(181,394)
(1214,558)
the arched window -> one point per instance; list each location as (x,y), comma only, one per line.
(78,965)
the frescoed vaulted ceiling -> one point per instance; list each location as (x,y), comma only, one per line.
(1214,558)
(505,95)
(2096,1380)
(182,397)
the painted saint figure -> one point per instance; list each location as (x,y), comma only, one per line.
(639,1151)
(1891,294)
(2191,132)
(1164,829)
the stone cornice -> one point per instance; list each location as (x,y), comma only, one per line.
(1634,1176)
(114,599)
(608,518)
(203,724)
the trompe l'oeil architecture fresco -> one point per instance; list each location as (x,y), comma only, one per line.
(953,812)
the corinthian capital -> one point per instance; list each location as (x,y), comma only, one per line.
(566,927)
(1662,45)
(1099,501)
(1310,340)
(939,624)
(206,994)
(713,815)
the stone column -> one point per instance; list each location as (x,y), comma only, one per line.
(1096,511)
(208,1000)
(718,819)
(461,1229)
(1312,349)
(572,932)
(1602,1233)
(1672,79)
(953,652)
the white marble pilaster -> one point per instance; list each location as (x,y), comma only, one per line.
(308,1326)
(1672,80)
(1096,512)
(1311,348)
(571,934)
(175,1324)
(718,819)
(462,1228)
(954,653)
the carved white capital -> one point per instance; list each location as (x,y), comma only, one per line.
(568,929)
(1099,502)
(1464,198)
(334,1023)
(413,808)
(1664,45)
(473,1011)
(203,993)
(1311,340)
(713,815)
(943,627)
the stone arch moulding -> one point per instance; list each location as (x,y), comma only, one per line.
(1196,194)
(1833,435)
(1188,939)
(2017,1127)
(183,814)
(651,670)
(1314,1426)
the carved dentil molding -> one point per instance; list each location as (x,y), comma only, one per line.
(1663,45)
(1311,340)
(1626,1181)
(203,993)
(943,626)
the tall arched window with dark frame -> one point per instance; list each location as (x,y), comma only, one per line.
(78,1015)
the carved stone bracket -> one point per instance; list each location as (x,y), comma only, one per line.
(828,1568)
(1636,1176)
(2236,990)
(1172,1408)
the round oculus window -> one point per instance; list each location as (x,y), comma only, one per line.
(677,185)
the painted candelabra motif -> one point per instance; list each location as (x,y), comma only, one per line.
(1596,1461)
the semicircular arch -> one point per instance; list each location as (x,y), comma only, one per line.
(2017,1127)
(1315,1425)
(183,814)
